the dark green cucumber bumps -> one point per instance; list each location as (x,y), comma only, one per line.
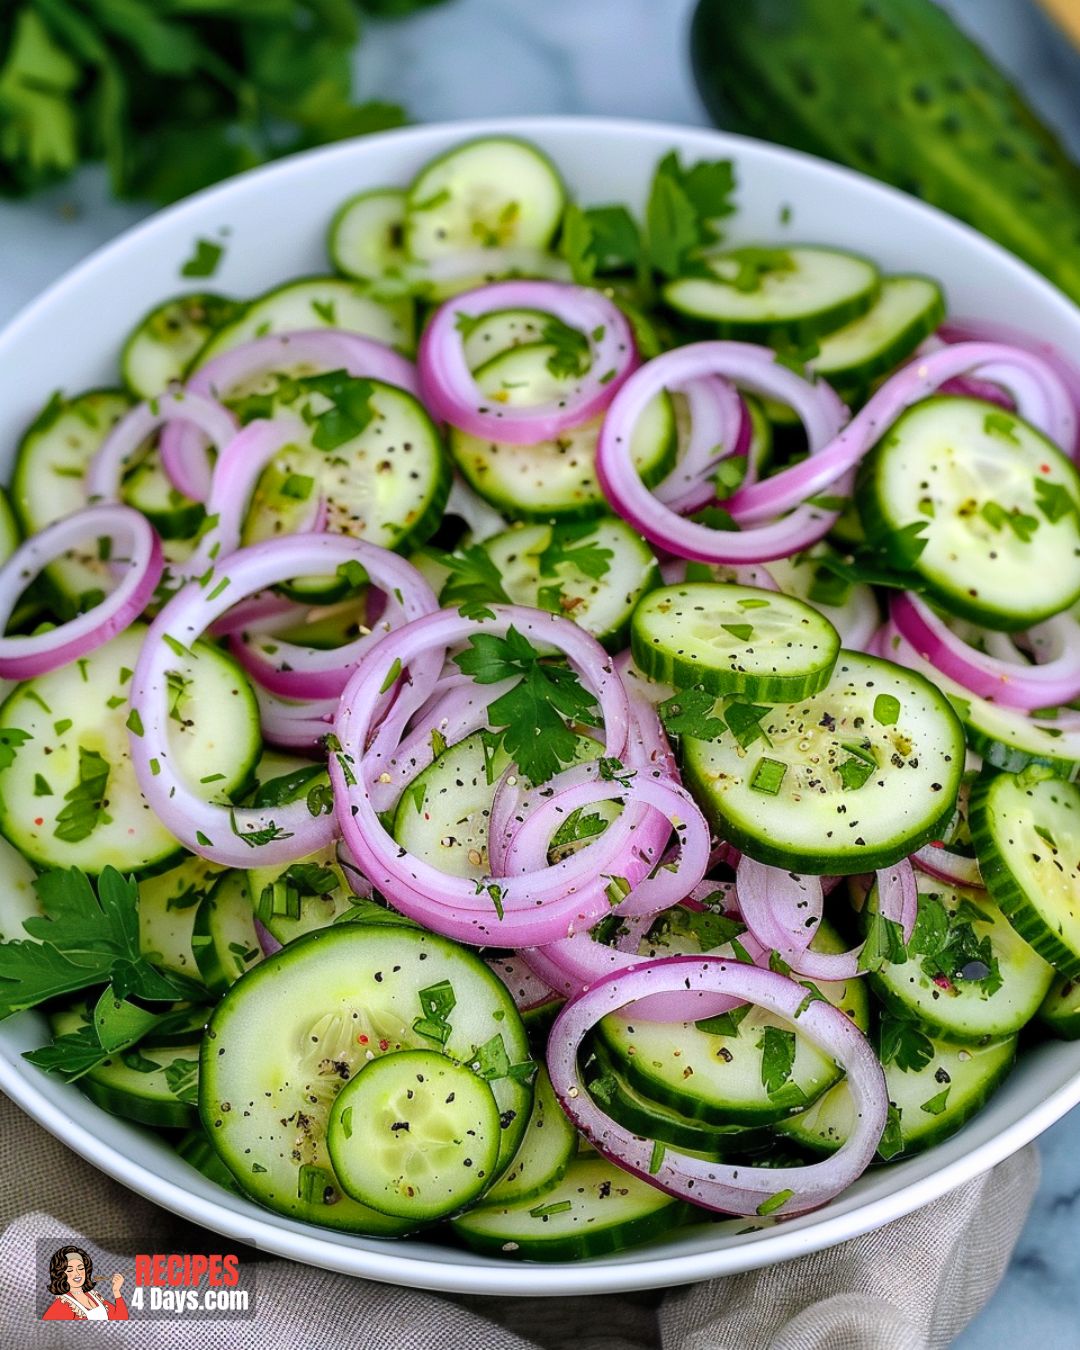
(893,88)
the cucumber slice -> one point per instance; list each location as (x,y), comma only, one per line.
(960,995)
(80,711)
(48,479)
(929,1104)
(848,781)
(162,346)
(547,1147)
(414,1135)
(996,508)
(734,640)
(387,485)
(316,302)
(186,1025)
(501,331)
(291,1032)
(625,1103)
(299,897)
(1060,1010)
(18,899)
(777,294)
(556,480)
(9,529)
(850,606)
(158,1088)
(148,489)
(494,192)
(596,1208)
(198,1152)
(907,310)
(1027,840)
(168,904)
(223,938)
(718,1078)
(367,234)
(594,573)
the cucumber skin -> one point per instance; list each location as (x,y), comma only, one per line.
(1062,1024)
(1004,891)
(898,92)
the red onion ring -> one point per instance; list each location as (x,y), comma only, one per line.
(291,829)
(528,989)
(180,408)
(1055,681)
(1039,393)
(769,900)
(953,868)
(753,368)
(22,658)
(184,454)
(453,395)
(738,1189)
(719,428)
(296,671)
(292,725)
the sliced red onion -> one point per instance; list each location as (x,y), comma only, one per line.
(234,836)
(184,454)
(1013,685)
(770,907)
(179,408)
(137,562)
(719,428)
(756,370)
(294,725)
(673,570)
(936,860)
(296,671)
(453,395)
(267,941)
(1040,397)
(738,1188)
(528,989)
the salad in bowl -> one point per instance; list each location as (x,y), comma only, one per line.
(561,727)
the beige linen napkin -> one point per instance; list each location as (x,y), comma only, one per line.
(912,1285)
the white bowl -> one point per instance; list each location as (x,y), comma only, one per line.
(276,220)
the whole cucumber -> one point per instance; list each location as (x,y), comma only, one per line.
(895,89)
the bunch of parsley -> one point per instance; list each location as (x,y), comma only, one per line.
(176,94)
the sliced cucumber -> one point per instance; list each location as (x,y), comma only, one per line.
(494,192)
(18,899)
(960,995)
(848,781)
(291,1032)
(154,1088)
(907,310)
(596,1208)
(367,234)
(593,572)
(980,505)
(316,302)
(224,939)
(1026,830)
(80,712)
(168,904)
(777,294)
(720,1078)
(162,346)
(734,640)
(48,481)
(148,489)
(414,1135)
(198,1152)
(502,330)
(624,1102)
(556,480)
(9,529)
(185,1026)
(1060,1010)
(388,485)
(928,1104)
(547,1147)
(850,606)
(296,898)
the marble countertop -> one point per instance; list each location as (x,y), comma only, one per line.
(625,57)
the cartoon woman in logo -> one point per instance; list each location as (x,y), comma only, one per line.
(71,1279)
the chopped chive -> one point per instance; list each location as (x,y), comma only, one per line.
(768,776)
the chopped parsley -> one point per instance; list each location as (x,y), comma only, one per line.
(85,809)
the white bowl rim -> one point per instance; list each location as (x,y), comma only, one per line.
(388,1261)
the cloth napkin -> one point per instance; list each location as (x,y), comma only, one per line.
(912,1285)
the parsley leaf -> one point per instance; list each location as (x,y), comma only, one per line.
(777,1058)
(350,408)
(902,1042)
(1054,501)
(892,1136)
(474,581)
(85,809)
(884,944)
(10,740)
(571,544)
(536,736)
(691,713)
(571,354)
(683,208)
(205,259)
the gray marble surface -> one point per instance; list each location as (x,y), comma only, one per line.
(626,57)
